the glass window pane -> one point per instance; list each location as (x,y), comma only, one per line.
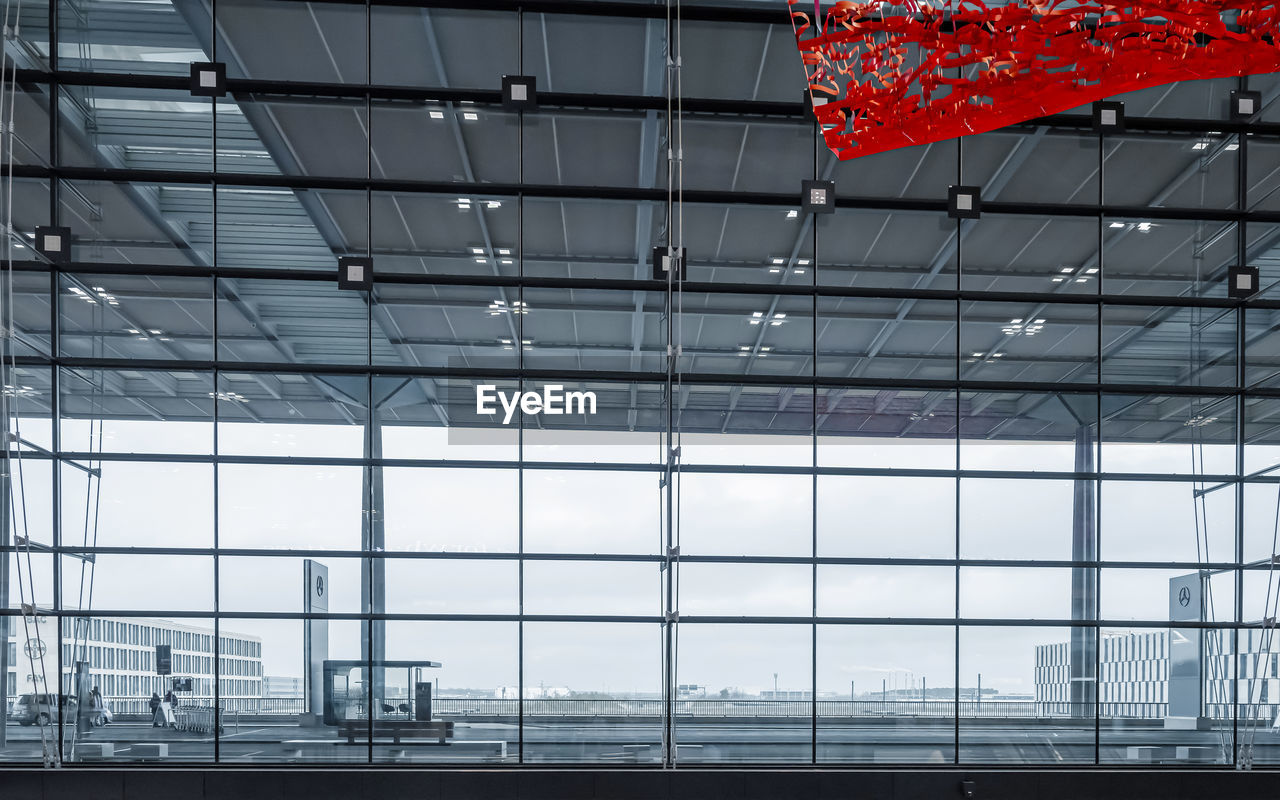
(895,680)
(136,411)
(752,671)
(746,514)
(1170,434)
(1022,519)
(475,688)
(591,692)
(289,506)
(998,679)
(579,511)
(876,591)
(886,516)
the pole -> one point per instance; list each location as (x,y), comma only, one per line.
(1084,580)
(775,686)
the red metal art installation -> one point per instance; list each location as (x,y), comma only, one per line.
(885,75)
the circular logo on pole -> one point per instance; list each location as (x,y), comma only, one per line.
(34,648)
(1184,597)
(319,586)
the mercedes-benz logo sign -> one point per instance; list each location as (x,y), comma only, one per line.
(1184,597)
(319,586)
(34,648)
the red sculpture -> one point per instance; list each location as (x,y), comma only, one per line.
(882,78)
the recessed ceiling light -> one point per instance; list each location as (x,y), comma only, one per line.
(1068,270)
(1117,225)
(470,116)
(804,262)
(757,314)
(792,214)
(504,251)
(1200,146)
(437,114)
(1232,146)
(779,261)
(478,251)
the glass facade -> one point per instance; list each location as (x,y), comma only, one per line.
(872,487)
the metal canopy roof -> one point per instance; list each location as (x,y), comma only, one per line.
(613,330)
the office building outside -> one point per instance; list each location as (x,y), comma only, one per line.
(121,654)
(1134,677)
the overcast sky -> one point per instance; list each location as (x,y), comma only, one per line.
(465,510)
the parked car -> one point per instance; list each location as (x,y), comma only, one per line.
(38,709)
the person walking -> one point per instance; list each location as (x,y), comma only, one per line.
(155,710)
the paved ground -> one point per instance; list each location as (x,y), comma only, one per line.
(703,740)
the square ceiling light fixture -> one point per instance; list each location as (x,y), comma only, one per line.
(662,257)
(1242,282)
(1108,117)
(209,79)
(964,202)
(54,243)
(1245,105)
(818,197)
(355,272)
(519,93)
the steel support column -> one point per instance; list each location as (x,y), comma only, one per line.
(1084,580)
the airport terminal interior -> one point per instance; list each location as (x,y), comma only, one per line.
(475,384)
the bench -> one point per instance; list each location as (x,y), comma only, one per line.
(95,751)
(396,730)
(313,748)
(1149,754)
(148,751)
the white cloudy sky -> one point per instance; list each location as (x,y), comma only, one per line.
(433,510)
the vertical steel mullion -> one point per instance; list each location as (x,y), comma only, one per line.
(955,656)
(371,410)
(217,468)
(1242,240)
(522,312)
(1097,422)
(55,421)
(813,483)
